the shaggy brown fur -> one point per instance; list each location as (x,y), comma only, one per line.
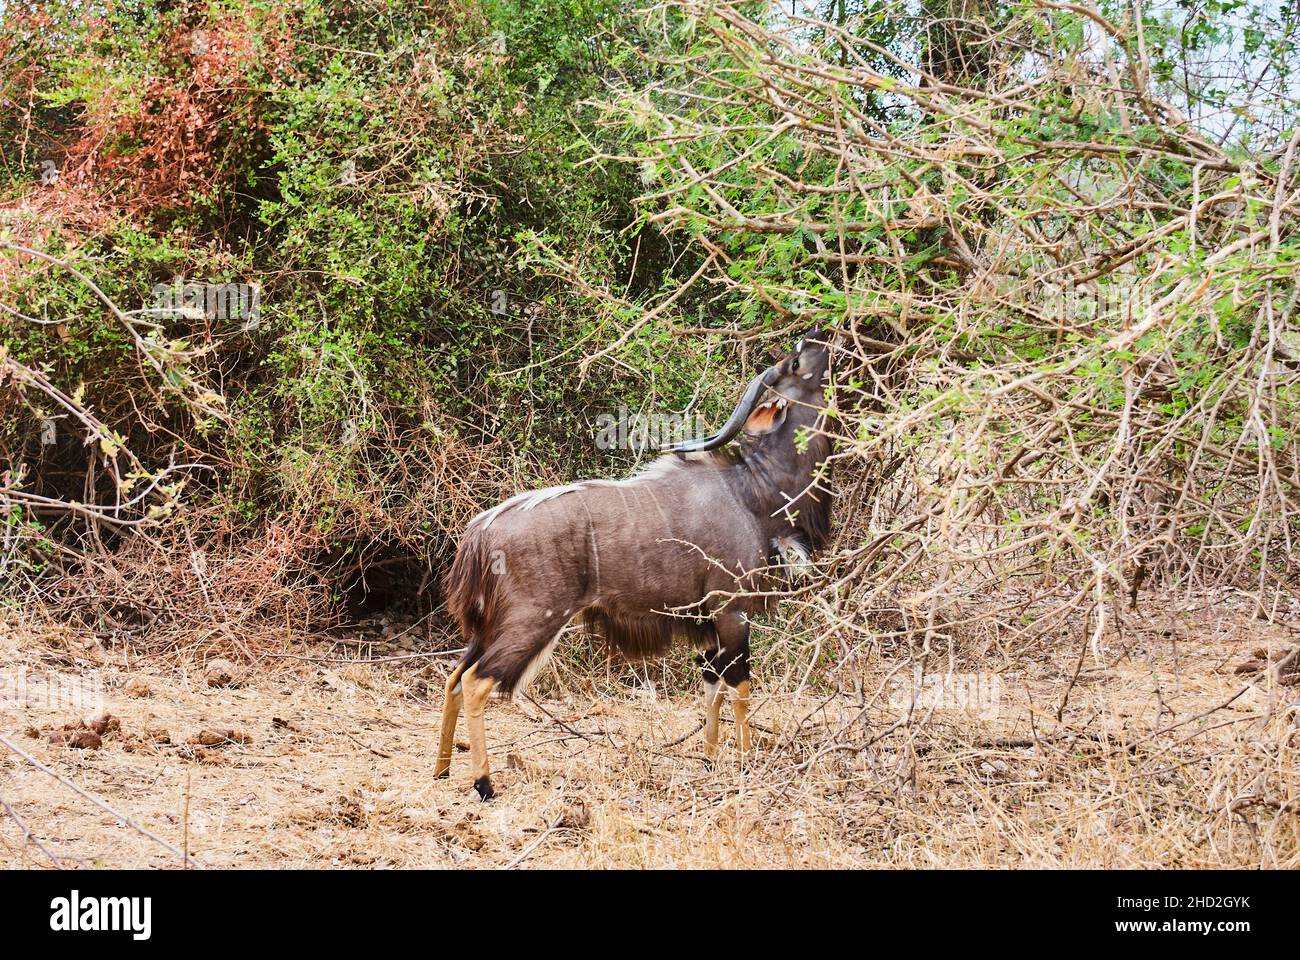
(660,556)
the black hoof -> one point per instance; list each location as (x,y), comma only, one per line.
(484,787)
(442,776)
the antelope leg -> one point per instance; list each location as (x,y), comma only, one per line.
(712,711)
(740,706)
(475,690)
(450,713)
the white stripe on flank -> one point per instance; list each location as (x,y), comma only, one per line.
(530,499)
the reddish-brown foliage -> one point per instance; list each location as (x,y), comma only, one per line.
(194,126)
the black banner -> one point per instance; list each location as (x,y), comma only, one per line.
(336,909)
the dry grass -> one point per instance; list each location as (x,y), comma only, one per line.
(1154,763)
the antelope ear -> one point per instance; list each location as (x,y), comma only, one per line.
(765,418)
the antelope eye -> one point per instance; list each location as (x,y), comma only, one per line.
(794,364)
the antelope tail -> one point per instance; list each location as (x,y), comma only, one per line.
(474,593)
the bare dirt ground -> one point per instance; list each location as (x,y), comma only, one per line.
(1163,756)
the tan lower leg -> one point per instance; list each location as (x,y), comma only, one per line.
(712,711)
(740,706)
(476,690)
(450,713)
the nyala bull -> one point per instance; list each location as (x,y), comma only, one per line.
(669,553)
